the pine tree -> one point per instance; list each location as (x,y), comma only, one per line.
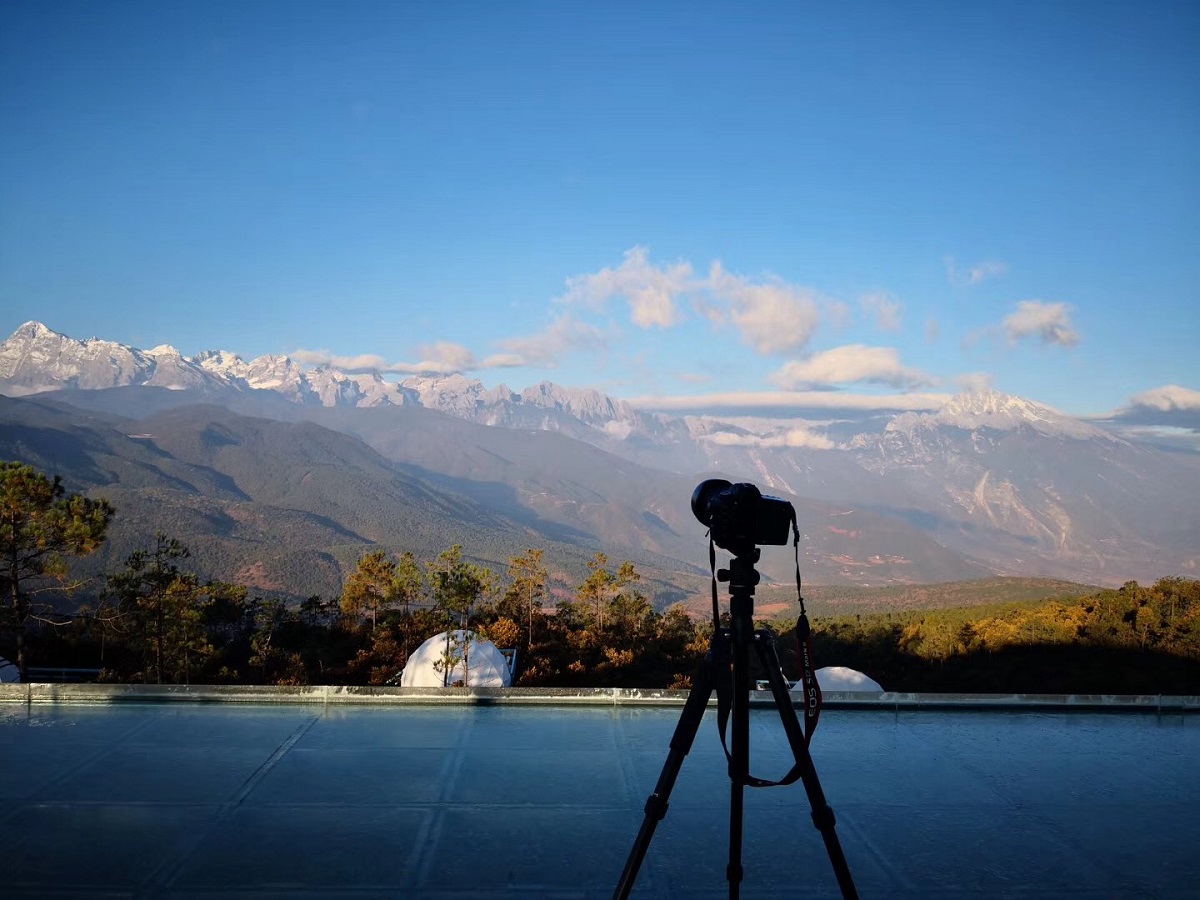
(39,524)
(162,604)
(371,587)
(458,587)
(527,591)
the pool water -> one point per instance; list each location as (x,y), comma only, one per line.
(185,800)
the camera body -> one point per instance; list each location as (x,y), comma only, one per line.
(739,516)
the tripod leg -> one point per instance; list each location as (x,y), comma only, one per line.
(681,745)
(739,760)
(822,814)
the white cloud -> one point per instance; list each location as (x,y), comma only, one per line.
(365,362)
(772,316)
(852,363)
(619,430)
(503,361)
(444,356)
(793,437)
(438,358)
(1169,406)
(1168,398)
(974,382)
(652,292)
(708,308)
(445,360)
(885,308)
(966,276)
(547,346)
(825,404)
(1051,322)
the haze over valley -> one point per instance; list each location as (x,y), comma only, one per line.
(279,475)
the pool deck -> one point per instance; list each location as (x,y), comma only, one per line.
(517,800)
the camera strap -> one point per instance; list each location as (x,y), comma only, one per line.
(804,646)
(712,568)
(720,656)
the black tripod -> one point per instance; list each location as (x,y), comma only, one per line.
(729,676)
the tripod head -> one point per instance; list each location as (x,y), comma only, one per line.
(742,577)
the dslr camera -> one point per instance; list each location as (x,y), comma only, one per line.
(739,516)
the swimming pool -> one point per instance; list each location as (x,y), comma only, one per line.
(191,800)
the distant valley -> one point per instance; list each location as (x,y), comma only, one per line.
(280,476)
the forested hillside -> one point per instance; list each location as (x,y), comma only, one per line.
(1133,640)
(155,619)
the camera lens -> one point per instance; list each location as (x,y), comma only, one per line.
(702,497)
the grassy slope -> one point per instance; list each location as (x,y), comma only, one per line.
(779,601)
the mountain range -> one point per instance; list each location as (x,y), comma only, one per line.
(279,474)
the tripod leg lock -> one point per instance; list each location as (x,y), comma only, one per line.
(656,807)
(824,818)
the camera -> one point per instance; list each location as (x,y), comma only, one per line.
(739,516)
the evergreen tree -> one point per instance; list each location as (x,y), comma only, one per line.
(39,524)
(371,587)
(160,604)
(409,589)
(458,587)
(596,590)
(526,592)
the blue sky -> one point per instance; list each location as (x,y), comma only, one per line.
(774,203)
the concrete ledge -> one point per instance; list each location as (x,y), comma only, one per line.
(31,693)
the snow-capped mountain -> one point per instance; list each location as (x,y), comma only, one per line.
(35,359)
(1007,479)
(460,396)
(1003,481)
(990,409)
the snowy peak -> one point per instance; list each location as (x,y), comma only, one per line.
(34,330)
(586,404)
(35,358)
(993,410)
(221,363)
(990,408)
(457,394)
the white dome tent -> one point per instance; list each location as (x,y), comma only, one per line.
(836,678)
(9,674)
(841,678)
(456,659)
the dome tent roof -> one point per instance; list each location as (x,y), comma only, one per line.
(841,678)
(427,667)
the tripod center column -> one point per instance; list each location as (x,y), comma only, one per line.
(742,577)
